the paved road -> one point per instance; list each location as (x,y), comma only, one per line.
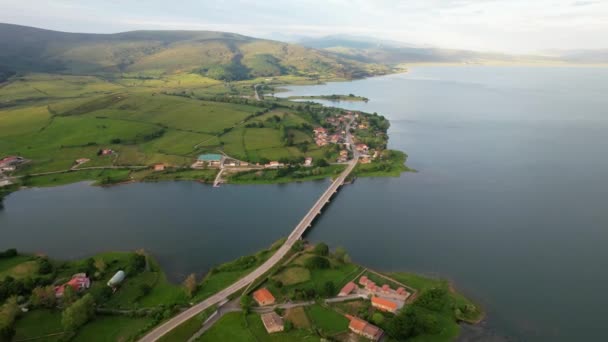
(295,235)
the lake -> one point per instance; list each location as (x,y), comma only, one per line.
(509,200)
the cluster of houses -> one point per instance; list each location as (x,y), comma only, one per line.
(322,137)
(382,297)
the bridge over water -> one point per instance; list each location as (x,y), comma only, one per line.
(295,235)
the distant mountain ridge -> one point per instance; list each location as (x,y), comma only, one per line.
(371,50)
(224,55)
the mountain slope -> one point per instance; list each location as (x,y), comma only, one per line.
(371,50)
(151,53)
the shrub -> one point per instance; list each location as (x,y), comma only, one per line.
(321,249)
(317,262)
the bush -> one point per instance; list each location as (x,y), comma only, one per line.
(321,249)
(317,262)
(9,253)
(434,299)
(79,313)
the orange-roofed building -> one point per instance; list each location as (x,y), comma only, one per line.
(365,329)
(347,289)
(159,167)
(263,297)
(384,304)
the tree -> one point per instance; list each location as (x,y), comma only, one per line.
(246,303)
(69,296)
(8,315)
(378,318)
(435,299)
(79,313)
(44,266)
(100,265)
(298,246)
(137,263)
(44,297)
(340,253)
(317,262)
(321,162)
(190,284)
(321,249)
(329,289)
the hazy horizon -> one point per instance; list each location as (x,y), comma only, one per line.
(514,26)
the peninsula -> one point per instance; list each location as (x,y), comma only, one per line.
(314,293)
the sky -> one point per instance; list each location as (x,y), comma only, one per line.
(513,26)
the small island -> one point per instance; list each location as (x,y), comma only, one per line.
(313,294)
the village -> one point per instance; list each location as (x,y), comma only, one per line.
(343,130)
(382,298)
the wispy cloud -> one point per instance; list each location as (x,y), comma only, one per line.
(500,25)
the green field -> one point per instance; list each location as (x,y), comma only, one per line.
(326,319)
(112,328)
(237,327)
(39,323)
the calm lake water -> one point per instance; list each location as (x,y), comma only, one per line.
(510,201)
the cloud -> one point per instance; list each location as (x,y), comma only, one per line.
(498,25)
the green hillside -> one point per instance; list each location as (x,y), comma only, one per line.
(224,56)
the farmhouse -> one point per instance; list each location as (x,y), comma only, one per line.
(263,297)
(11,161)
(365,329)
(320,130)
(362,148)
(347,289)
(79,282)
(273,322)
(159,167)
(273,165)
(308,161)
(384,304)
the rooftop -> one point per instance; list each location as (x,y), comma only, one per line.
(272,321)
(385,303)
(210,157)
(263,295)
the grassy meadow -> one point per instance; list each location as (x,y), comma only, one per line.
(52,120)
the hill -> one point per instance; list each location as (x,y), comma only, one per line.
(220,55)
(371,50)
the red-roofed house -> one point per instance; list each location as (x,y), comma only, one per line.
(363,280)
(79,282)
(347,289)
(159,167)
(370,285)
(363,328)
(362,148)
(320,130)
(386,288)
(263,297)
(384,304)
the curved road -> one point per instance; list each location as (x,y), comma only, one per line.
(295,235)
